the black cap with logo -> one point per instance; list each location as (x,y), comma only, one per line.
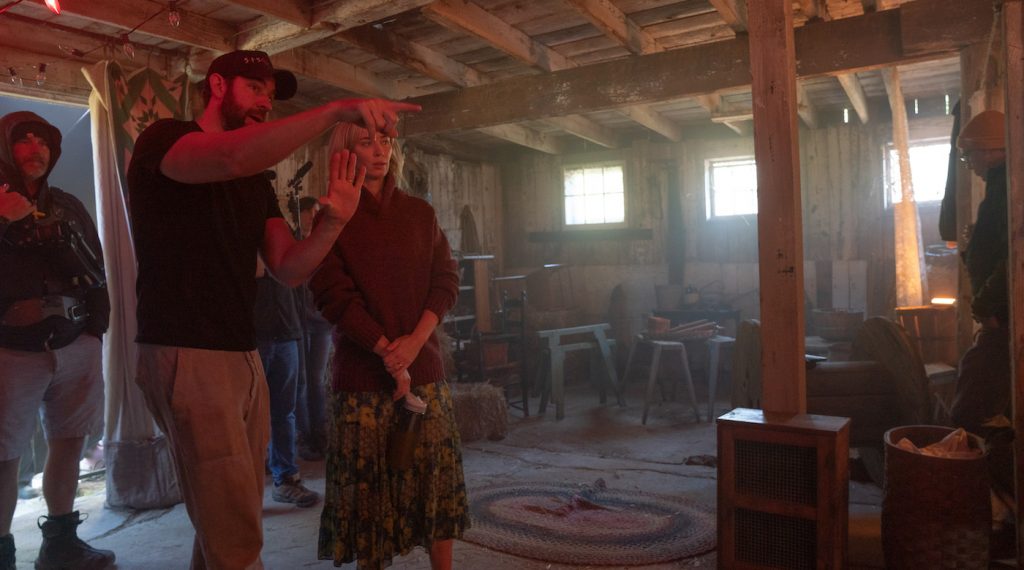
(254,65)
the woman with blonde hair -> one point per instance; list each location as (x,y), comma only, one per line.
(386,284)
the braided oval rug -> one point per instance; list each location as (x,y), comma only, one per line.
(592,525)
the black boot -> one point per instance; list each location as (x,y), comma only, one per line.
(63,550)
(7,552)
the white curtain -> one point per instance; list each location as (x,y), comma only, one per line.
(139,470)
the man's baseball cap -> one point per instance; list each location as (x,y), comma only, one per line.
(255,65)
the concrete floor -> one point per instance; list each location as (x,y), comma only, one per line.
(592,442)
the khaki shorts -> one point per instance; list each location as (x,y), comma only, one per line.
(65,385)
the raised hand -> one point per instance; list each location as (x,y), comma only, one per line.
(343,188)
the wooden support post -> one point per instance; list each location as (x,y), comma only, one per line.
(1013,41)
(911,279)
(780,231)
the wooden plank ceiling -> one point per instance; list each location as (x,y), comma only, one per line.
(437,50)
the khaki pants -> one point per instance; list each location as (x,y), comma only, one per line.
(212,406)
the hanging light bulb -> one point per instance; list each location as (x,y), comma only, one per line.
(71,51)
(54,6)
(126,45)
(15,80)
(41,74)
(173,15)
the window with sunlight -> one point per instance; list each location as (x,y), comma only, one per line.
(731,187)
(929,160)
(594,194)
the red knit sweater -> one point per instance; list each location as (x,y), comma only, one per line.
(389,264)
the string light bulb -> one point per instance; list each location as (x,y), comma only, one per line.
(173,15)
(54,6)
(71,51)
(41,74)
(126,45)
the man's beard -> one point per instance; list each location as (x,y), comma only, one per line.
(232,114)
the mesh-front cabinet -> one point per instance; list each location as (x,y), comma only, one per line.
(783,489)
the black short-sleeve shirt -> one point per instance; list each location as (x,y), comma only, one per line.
(196,246)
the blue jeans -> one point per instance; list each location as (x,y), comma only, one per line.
(281,365)
(310,410)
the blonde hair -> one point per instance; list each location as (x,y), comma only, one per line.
(346,135)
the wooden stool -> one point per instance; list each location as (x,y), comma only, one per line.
(657,348)
(715,346)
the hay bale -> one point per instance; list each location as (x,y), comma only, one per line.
(480,411)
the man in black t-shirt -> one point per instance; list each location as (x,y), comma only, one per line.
(201,211)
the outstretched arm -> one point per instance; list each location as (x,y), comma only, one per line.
(202,157)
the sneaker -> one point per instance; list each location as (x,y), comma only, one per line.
(27,492)
(291,490)
(7,552)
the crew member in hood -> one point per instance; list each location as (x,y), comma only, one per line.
(54,311)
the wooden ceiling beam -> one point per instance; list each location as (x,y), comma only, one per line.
(274,36)
(338,73)
(198,31)
(738,122)
(615,24)
(438,66)
(855,93)
(859,43)
(466,17)
(734,12)
(295,12)
(647,116)
(804,108)
(526,137)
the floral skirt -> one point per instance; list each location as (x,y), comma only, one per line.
(372,513)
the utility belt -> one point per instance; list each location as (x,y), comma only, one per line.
(28,312)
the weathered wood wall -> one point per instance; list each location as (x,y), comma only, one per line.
(844,215)
(447,183)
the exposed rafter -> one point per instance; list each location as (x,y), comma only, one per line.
(618,26)
(815,9)
(615,24)
(858,100)
(295,12)
(442,68)
(921,28)
(739,122)
(201,31)
(653,120)
(526,137)
(467,17)
(805,108)
(734,12)
(275,36)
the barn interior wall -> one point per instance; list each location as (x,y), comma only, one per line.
(847,224)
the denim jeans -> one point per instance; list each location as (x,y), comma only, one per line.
(310,409)
(281,364)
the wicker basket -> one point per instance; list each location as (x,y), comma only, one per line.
(936,512)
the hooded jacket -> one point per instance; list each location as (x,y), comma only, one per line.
(30,271)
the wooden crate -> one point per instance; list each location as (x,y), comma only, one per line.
(783,490)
